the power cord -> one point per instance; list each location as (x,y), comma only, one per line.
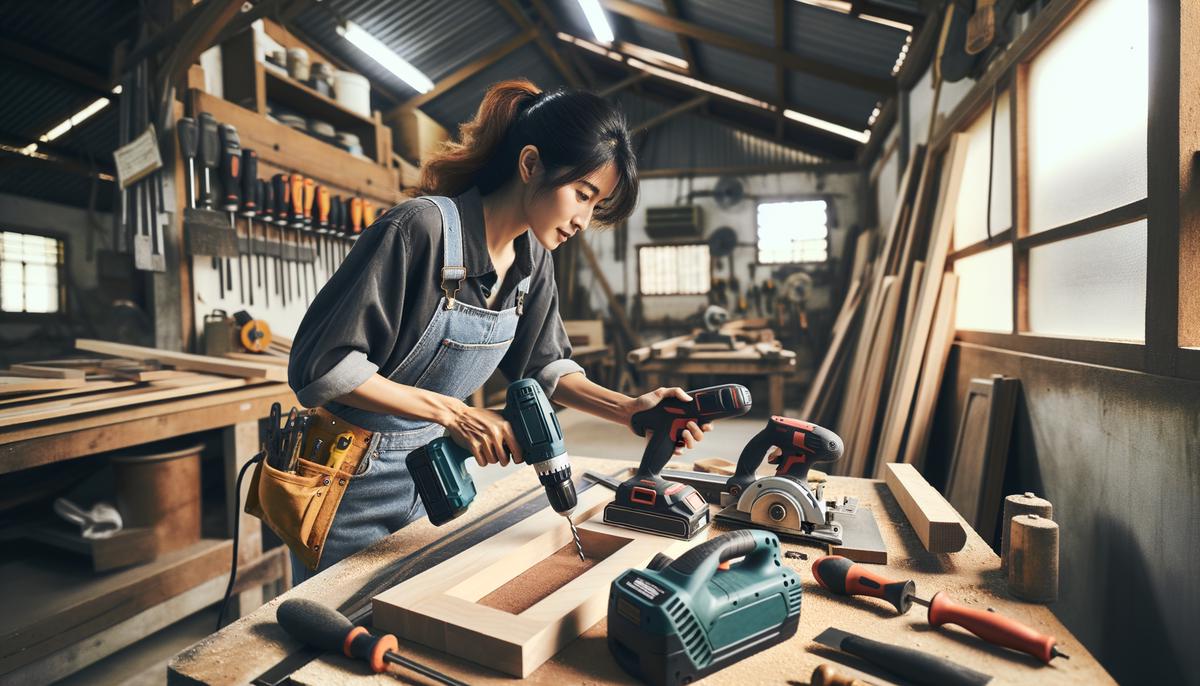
(237,518)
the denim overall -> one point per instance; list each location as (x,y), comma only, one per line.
(457,353)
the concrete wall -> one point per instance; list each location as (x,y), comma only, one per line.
(841,188)
(1116,453)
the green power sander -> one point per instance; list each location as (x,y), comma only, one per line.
(680,620)
(445,486)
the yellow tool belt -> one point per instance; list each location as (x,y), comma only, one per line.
(299,505)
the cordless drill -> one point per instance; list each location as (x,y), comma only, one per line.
(648,502)
(446,489)
(801,444)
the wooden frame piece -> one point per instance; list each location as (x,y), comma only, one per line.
(936,354)
(439,607)
(976,482)
(935,521)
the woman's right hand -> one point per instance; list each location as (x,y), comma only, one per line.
(486,434)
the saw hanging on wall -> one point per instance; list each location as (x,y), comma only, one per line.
(975,32)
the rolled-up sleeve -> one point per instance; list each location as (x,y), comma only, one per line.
(363,301)
(541,350)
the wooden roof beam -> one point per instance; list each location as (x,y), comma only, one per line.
(547,48)
(61,68)
(773,55)
(670,114)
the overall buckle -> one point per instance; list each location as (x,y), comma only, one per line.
(451,291)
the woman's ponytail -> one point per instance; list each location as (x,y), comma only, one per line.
(576,133)
(456,166)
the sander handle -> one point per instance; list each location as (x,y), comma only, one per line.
(693,569)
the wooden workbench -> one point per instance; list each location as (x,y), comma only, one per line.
(61,618)
(256,643)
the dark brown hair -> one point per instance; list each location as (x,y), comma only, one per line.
(576,133)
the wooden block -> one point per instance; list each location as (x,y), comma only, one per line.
(937,524)
(39,372)
(452,607)
(187,361)
(130,546)
(715,465)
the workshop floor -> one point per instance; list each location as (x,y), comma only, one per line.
(144,663)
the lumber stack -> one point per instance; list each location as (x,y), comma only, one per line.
(125,375)
(878,382)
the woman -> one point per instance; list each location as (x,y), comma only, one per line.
(441,291)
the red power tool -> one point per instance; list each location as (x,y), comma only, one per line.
(784,502)
(646,501)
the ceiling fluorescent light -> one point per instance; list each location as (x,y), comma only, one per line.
(384,55)
(597,20)
(887,22)
(846,132)
(71,122)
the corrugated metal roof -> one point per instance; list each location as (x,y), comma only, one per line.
(737,71)
(33,103)
(673,144)
(85,31)
(843,40)
(34,179)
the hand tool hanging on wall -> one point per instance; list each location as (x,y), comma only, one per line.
(264,258)
(913,665)
(210,155)
(321,222)
(281,185)
(266,211)
(841,576)
(296,221)
(249,209)
(231,185)
(326,629)
(446,488)
(679,620)
(310,196)
(646,501)
(335,232)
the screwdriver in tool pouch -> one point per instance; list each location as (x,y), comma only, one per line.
(841,576)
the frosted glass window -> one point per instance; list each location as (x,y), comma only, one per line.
(674,269)
(1087,115)
(985,290)
(970,225)
(793,232)
(1093,286)
(29,268)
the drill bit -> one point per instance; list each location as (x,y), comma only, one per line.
(575,535)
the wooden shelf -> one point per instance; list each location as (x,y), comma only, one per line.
(51,601)
(297,96)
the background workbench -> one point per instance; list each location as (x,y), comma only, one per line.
(249,647)
(61,618)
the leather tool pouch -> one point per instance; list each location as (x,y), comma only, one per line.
(300,506)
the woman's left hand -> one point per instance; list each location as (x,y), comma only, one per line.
(692,435)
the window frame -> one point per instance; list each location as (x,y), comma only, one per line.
(1164,351)
(637,251)
(803,197)
(64,301)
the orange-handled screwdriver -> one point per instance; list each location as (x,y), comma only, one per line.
(841,576)
(297,198)
(356,215)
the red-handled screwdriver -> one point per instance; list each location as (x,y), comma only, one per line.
(327,629)
(841,576)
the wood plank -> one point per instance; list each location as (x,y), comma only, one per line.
(110,401)
(260,358)
(38,372)
(940,340)
(881,348)
(186,361)
(89,387)
(821,383)
(908,364)
(10,385)
(439,607)
(934,520)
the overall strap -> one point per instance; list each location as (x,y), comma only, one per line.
(453,270)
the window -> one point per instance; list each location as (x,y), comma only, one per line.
(1077,244)
(674,269)
(795,231)
(30,273)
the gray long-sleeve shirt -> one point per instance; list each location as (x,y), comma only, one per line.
(371,312)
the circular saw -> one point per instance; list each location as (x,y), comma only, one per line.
(784,502)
